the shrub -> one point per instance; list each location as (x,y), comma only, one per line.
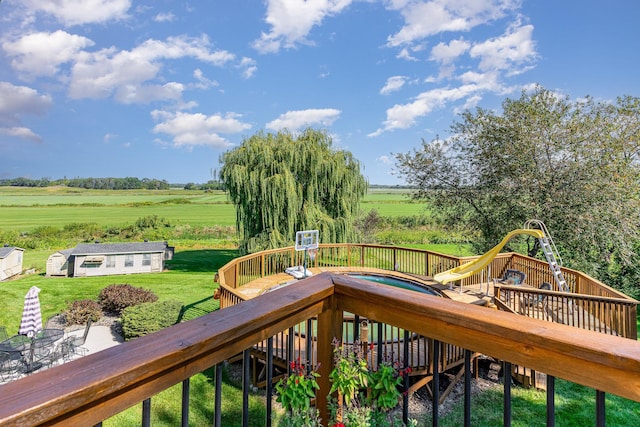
(115,298)
(80,311)
(146,318)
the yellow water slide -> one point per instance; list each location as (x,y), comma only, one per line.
(470,268)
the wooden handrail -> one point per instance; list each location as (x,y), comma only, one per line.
(95,387)
(604,362)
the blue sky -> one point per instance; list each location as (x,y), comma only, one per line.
(159,89)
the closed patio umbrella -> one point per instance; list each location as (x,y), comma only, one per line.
(31,321)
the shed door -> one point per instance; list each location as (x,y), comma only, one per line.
(156,263)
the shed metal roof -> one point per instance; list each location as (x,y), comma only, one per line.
(6,250)
(118,248)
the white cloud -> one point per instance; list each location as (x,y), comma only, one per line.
(78,12)
(447,53)
(403,116)
(164,17)
(21,100)
(203,82)
(424,19)
(393,84)
(405,53)
(295,120)
(189,130)
(292,20)
(514,48)
(22,133)
(144,94)
(248,67)
(41,54)
(385,160)
(16,101)
(126,73)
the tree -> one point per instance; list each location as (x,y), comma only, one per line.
(281,183)
(573,165)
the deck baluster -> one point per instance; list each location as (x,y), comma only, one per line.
(186,387)
(435,393)
(551,402)
(246,381)
(601,419)
(506,376)
(217,420)
(467,388)
(269,386)
(146,413)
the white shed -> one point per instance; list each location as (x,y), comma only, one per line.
(10,261)
(58,263)
(105,259)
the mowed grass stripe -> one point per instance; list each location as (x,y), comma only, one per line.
(29,218)
(41,207)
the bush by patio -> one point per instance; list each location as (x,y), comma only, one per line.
(146,318)
(115,298)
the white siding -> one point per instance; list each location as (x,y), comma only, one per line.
(57,265)
(11,265)
(84,269)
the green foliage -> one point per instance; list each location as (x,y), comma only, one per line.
(573,165)
(143,319)
(297,389)
(79,312)
(350,373)
(309,417)
(115,298)
(367,396)
(384,385)
(281,183)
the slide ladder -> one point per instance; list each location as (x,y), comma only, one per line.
(550,253)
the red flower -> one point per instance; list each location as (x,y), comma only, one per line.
(338,425)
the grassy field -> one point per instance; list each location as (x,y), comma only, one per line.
(24,209)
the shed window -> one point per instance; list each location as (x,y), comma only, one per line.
(111,261)
(146,259)
(128,260)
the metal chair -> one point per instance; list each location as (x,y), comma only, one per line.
(11,365)
(512,277)
(77,342)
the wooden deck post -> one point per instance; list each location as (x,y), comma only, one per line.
(329,327)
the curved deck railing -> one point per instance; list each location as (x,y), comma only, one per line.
(98,386)
(618,315)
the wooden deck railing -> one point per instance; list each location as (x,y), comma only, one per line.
(619,314)
(98,386)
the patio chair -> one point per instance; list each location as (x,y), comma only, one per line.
(77,342)
(11,365)
(537,300)
(52,321)
(512,277)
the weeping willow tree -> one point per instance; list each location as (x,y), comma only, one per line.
(281,183)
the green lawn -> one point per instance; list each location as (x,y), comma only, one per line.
(189,280)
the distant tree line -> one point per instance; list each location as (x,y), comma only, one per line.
(209,185)
(128,183)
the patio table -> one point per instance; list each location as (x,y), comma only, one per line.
(25,346)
